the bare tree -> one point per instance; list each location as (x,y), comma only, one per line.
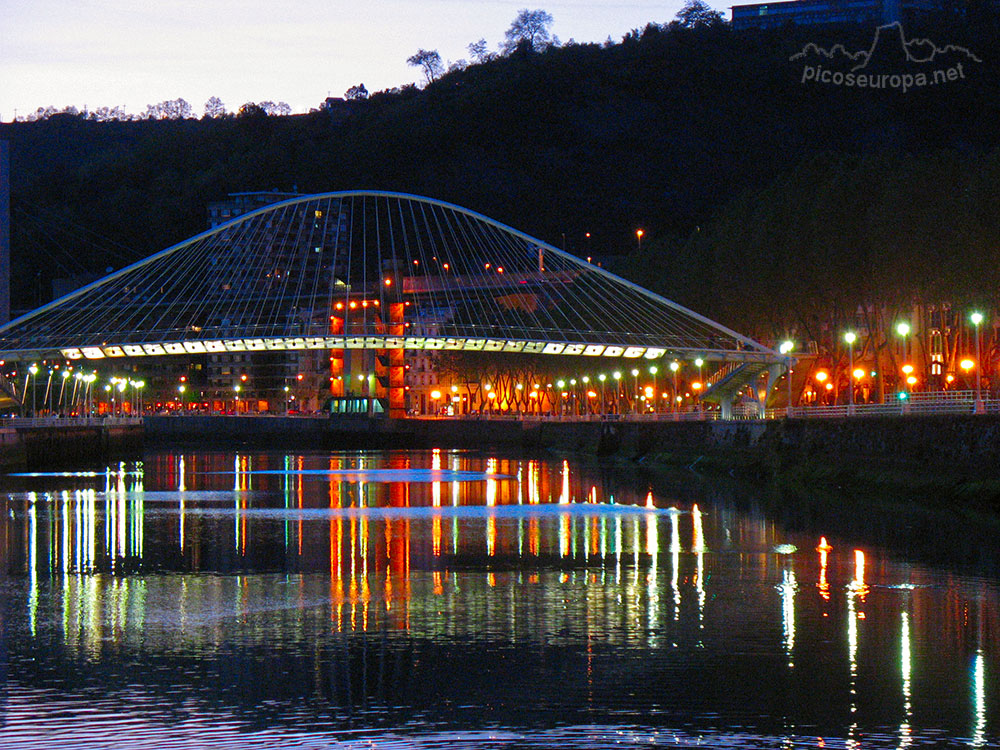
(429,61)
(479,52)
(530,28)
(214,108)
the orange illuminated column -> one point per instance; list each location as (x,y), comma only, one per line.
(397,389)
(337,357)
(389,364)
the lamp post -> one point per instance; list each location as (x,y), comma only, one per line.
(122,384)
(602,377)
(586,387)
(32,371)
(90,380)
(674,367)
(48,392)
(652,371)
(62,388)
(903,329)
(237,388)
(635,404)
(850,337)
(976,319)
(139,385)
(181,389)
(786,348)
(618,391)
(638,238)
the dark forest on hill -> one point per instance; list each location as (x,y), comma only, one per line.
(768,203)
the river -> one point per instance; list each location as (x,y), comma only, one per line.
(456,599)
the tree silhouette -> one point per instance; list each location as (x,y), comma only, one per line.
(214,108)
(697,13)
(529,28)
(429,61)
(356,93)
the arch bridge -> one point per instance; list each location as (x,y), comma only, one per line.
(380,271)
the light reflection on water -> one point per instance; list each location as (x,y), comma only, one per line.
(273,600)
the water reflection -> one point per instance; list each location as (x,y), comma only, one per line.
(555,574)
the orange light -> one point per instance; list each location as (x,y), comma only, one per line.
(859,373)
(446,266)
(243,378)
(183,378)
(908,369)
(354,305)
(435,395)
(499,269)
(340,305)
(388,282)
(365,303)
(299,376)
(966,364)
(824,546)
(696,386)
(949,378)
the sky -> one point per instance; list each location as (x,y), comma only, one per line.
(131,53)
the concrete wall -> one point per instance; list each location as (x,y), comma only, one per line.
(45,447)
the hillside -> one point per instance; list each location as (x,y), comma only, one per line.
(672,130)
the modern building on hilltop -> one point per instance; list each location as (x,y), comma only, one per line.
(816,12)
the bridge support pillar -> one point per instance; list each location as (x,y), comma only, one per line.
(336,359)
(726,406)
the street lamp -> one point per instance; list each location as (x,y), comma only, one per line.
(180,389)
(786,348)
(674,367)
(638,238)
(32,371)
(850,337)
(903,329)
(976,319)
(89,380)
(635,377)
(618,390)
(653,371)
(602,377)
(237,388)
(62,388)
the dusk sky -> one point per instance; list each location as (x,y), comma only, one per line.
(127,53)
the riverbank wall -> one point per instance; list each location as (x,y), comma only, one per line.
(967,444)
(35,446)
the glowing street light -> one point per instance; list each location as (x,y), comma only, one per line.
(903,329)
(674,367)
(976,319)
(32,371)
(602,377)
(786,348)
(850,337)
(638,238)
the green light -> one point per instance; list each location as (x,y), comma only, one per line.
(902,395)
